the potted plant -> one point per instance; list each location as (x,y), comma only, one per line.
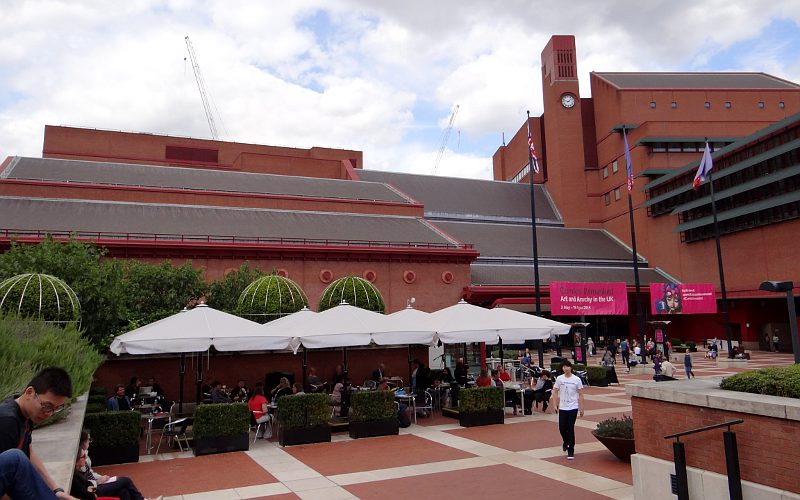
(481,406)
(617,435)
(373,413)
(597,375)
(115,436)
(221,428)
(303,419)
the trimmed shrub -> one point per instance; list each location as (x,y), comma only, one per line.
(596,373)
(27,346)
(95,407)
(781,381)
(40,296)
(271,297)
(690,344)
(366,406)
(113,429)
(555,368)
(304,410)
(616,428)
(356,291)
(97,399)
(478,399)
(675,341)
(578,367)
(226,419)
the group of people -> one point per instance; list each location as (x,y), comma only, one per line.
(125,397)
(22,472)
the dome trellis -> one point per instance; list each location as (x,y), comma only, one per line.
(355,291)
(40,296)
(271,297)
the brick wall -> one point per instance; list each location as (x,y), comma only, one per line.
(769,448)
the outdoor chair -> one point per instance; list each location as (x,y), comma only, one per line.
(177,430)
(427,404)
(260,426)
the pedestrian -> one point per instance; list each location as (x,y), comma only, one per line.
(590,346)
(687,365)
(624,349)
(43,397)
(568,394)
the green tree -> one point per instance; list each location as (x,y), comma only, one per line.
(224,294)
(97,284)
(153,292)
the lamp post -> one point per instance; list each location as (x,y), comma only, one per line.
(786,286)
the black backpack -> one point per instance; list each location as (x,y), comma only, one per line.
(403,420)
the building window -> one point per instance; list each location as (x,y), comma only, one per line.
(727,104)
(607,198)
(616,194)
(674,104)
(707,105)
(760,104)
(605,172)
(781,104)
(615,166)
(659,147)
(652,104)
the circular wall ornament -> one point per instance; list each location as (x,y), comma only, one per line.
(409,276)
(326,276)
(370,275)
(448,277)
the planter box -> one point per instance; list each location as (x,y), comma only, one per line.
(489,417)
(221,444)
(599,383)
(621,448)
(373,428)
(304,435)
(102,455)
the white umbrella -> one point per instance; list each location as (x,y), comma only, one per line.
(196,330)
(465,322)
(407,326)
(517,327)
(340,326)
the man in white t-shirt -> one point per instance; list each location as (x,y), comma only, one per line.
(568,392)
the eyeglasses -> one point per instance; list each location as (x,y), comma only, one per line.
(48,408)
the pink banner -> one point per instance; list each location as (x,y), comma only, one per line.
(576,299)
(684,298)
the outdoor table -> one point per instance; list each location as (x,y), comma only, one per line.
(150,417)
(411,401)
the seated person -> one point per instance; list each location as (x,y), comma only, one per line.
(483,380)
(461,373)
(540,393)
(119,401)
(447,375)
(379,373)
(19,479)
(282,389)
(218,394)
(504,376)
(240,393)
(336,397)
(297,388)
(667,371)
(496,380)
(258,405)
(155,387)
(82,488)
(119,486)
(133,387)
(314,383)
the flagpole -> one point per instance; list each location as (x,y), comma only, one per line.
(639,310)
(725,315)
(540,347)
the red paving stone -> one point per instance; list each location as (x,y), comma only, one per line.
(366,454)
(600,463)
(601,405)
(182,476)
(497,481)
(522,436)
(598,418)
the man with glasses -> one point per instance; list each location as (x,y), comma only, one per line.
(43,397)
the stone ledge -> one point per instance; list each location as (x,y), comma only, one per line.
(57,444)
(731,363)
(705,392)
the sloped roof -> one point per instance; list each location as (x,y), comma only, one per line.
(161,219)
(709,81)
(522,275)
(515,240)
(50,169)
(468,198)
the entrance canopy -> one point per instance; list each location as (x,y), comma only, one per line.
(196,330)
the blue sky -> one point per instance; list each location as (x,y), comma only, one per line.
(375,75)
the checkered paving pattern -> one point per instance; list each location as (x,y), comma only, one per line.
(433,459)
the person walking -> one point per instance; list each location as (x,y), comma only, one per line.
(624,349)
(687,365)
(568,394)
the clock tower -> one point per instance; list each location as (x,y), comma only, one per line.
(563,130)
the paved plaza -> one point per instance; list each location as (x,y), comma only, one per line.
(434,459)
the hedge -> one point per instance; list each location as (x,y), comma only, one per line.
(367,406)
(304,410)
(113,428)
(596,373)
(225,419)
(777,381)
(478,399)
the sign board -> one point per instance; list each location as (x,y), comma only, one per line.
(684,298)
(576,299)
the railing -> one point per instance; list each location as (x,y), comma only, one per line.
(680,481)
(232,240)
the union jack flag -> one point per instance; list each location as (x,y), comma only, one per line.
(534,158)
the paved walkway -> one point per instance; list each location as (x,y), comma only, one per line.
(435,459)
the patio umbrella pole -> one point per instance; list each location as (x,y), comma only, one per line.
(305,364)
(409,364)
(501,351)
(181,375)
(199,378)
(344,365)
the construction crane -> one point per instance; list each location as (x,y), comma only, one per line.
(445,138)
(201,86)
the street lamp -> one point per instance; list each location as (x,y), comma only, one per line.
(786,286)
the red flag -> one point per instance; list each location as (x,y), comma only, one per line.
(534,158)
(706,164)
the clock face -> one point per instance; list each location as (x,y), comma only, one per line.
(568,100)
